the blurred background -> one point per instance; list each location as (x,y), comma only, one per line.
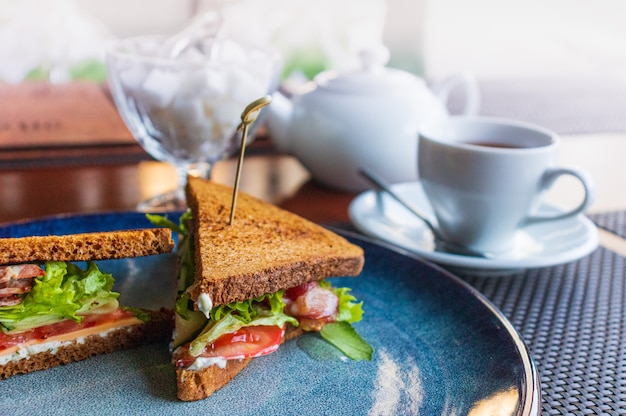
(557,63)
(521,51)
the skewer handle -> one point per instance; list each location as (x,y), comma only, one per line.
(249,116)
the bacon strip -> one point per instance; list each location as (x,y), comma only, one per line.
(16,280)
(313,305)
(16,287)
(11,300)
(19,271)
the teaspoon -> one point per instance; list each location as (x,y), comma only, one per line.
(440,244)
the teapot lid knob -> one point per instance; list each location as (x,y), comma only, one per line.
(372,78)
(375,57)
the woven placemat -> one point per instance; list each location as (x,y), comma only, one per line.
(614,222)
(573,319)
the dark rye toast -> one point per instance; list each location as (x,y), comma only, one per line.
(120,331)
(265,249)
(86,246)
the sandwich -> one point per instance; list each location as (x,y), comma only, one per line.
(54,311)
(245,288)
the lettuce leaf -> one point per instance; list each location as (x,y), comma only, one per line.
(65,291)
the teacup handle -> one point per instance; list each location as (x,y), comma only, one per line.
(472,92)
(549,177)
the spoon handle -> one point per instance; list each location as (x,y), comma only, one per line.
(440,244)
(381,184)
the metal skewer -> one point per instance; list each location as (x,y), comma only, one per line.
(249,116)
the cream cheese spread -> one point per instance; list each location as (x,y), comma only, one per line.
(205,304)
(204,362)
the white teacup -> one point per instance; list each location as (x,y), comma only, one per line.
(486,177)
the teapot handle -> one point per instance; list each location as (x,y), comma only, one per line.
(472,92)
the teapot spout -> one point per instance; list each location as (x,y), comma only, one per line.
(279,119)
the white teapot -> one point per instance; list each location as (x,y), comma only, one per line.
(368,118)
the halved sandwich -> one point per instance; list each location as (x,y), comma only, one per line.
(245,288)
(53,311)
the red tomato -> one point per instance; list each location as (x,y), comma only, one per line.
(247,342)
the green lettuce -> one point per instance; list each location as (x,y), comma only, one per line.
(249,309)
(182,305)
(65,291)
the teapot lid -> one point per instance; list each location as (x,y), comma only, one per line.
(372,77)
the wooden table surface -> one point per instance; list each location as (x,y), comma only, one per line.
(280,179)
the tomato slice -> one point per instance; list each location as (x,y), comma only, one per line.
(247,342)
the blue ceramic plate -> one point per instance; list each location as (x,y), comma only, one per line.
(441,348)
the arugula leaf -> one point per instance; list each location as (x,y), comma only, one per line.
(343,336)
(182,305)
(185,250)
(163,221)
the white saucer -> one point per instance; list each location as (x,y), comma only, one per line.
(540,245)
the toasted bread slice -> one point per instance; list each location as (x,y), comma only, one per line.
(86,246)
(265,249)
